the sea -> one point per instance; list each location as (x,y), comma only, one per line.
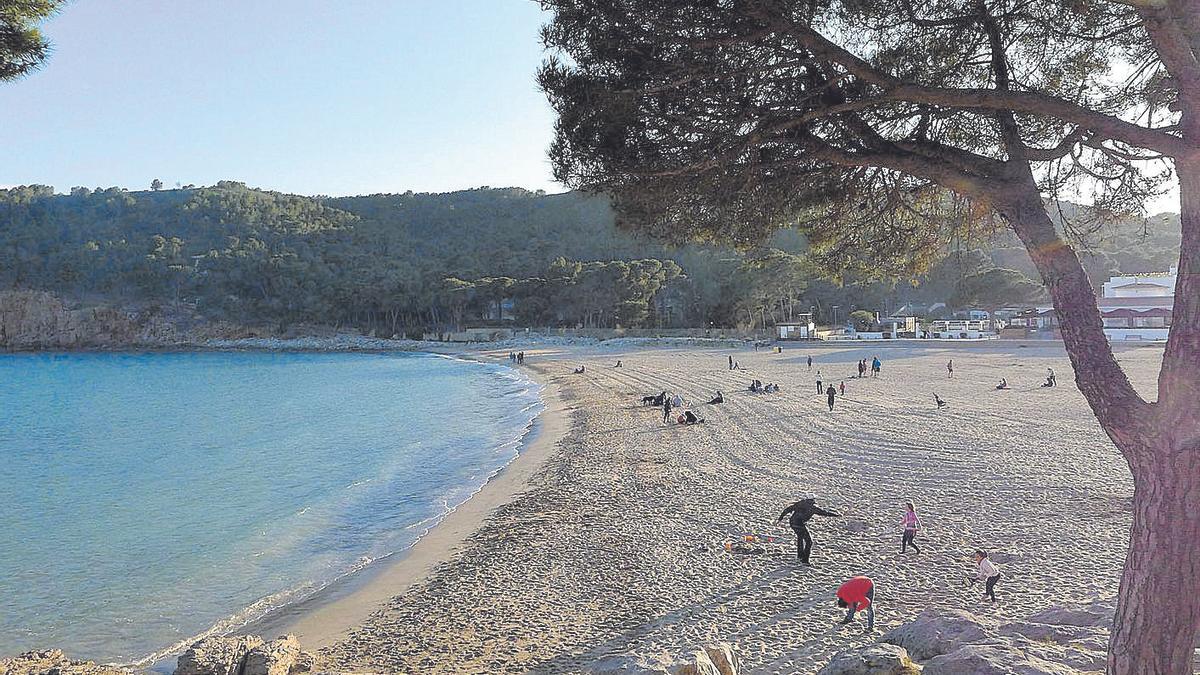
(149,499)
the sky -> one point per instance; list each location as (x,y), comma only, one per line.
(303,96)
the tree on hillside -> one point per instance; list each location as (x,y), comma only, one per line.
(875,126)
(996,288)
(22,47)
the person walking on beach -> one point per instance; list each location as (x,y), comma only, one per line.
(810,364)
(731,361)
(876,366)
(820,389)
(911,523)
(842,388)
(988,573)
(858,593)
(950,368)
(831,394)
(798,515)
(666,410)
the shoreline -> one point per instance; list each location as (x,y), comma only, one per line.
(330,614)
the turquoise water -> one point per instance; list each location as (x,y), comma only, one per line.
(148,498)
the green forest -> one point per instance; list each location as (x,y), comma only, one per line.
(405,264)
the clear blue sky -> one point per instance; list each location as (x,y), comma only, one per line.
(304,96)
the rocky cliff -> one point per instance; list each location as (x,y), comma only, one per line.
(37,320)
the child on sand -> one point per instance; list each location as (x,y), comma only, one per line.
(858,594)
(842,388)
(988,573)
(911,523)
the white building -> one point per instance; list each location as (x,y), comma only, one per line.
(1142,286)
(801,329)
(1138,307)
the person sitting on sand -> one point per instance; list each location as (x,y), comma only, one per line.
(771,388)
(858,593)
(676,401)
(798,515)
(987,572)
(579,370)
(689,417)
(831,394)
(717,399)
(1003,384)
(940,403)
(618,363)
(755,386)
(911,523)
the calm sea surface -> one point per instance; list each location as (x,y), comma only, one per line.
(148,498)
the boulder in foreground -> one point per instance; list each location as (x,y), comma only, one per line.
(54,662)
(714,660)
(937,631)
(244,655)
(876,659)
(995,658)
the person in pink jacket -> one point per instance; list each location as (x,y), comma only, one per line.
(911,523)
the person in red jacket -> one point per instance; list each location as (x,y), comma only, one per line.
(858,594)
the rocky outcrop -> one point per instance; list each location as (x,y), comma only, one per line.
(714,660)
(277,657)
(39,320)
(878,659)
(54,662)
(937,631)
(244,655)
(217,656)
(1000,658)
(1062,640)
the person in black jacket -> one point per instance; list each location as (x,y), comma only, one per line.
(798,515)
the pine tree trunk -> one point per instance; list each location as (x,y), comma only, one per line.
(1158,612)
(1158,609)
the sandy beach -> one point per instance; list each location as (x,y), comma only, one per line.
(608,535)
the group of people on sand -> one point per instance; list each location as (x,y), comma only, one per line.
(517,357)
(757,387)
(875,366)
(672,402)
(1051,380)
(857,594)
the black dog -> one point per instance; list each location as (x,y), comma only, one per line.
(649,400)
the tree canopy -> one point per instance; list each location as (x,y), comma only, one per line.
(22,47)
(884,128)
